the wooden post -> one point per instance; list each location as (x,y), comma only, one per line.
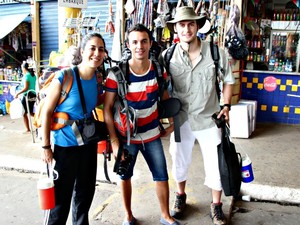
(35,31)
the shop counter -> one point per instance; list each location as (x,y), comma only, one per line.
(277,95)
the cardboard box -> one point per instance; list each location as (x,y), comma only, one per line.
(240,120)
(253,113)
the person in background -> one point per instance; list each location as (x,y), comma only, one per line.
(75,162)
(142,95)
(193,76)
(28,84)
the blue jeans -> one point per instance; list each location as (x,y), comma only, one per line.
(154,155)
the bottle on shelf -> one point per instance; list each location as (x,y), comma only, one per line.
(251,56)
(272,62)
(19,73)
(288,15)
(267,55)
(274,15)
(280,63)
(258,45)
(295,15)
(288,66)
(278,15)
(276,64)
(1,74)
(254,43)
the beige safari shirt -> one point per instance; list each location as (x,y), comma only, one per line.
(195,86)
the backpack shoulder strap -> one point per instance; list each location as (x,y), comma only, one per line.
(122,91)
(66,85)
(168,56)
(121,80)
(158,69)
(214,50)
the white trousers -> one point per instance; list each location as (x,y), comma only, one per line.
(181,153)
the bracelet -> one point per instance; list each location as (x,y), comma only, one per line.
(46,147)
(227,105)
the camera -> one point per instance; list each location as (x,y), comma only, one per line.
(122,167)
(220,122)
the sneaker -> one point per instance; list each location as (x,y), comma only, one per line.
(132,222)
(179,206)
(163,221)
(217,215)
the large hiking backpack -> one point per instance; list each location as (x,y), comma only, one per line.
(125,118)
(59,119)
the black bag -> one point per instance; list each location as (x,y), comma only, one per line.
(230,163)
(93,131)
(235,40)
(170,108)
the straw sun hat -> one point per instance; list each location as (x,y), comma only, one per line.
(186,13)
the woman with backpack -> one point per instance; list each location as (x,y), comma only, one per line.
(28,83)
(75,158)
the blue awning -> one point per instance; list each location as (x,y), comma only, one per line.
(10,22)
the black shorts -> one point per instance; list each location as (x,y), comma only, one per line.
(30,101)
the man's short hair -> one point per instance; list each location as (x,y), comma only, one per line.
(140,28)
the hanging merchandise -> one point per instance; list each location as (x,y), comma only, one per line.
(235,40)
(15,41)
(199,7)
(142,14)
(162,10)
(116,52)
(179,4)
(110,27)
(129,7)
(201,11)
(166,34)
(162,7)
(161,33)
(191,3)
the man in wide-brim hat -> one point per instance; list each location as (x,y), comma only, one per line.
(194,83)
(186,13)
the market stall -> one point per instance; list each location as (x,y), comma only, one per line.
(15,47)
(271,70)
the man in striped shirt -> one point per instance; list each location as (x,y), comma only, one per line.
(142,95)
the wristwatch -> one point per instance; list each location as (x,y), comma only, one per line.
(228,106)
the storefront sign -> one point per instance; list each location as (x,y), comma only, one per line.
(73,3)
(270,83)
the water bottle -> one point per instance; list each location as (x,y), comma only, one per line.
(19,73)
(288,66)
(271,63)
